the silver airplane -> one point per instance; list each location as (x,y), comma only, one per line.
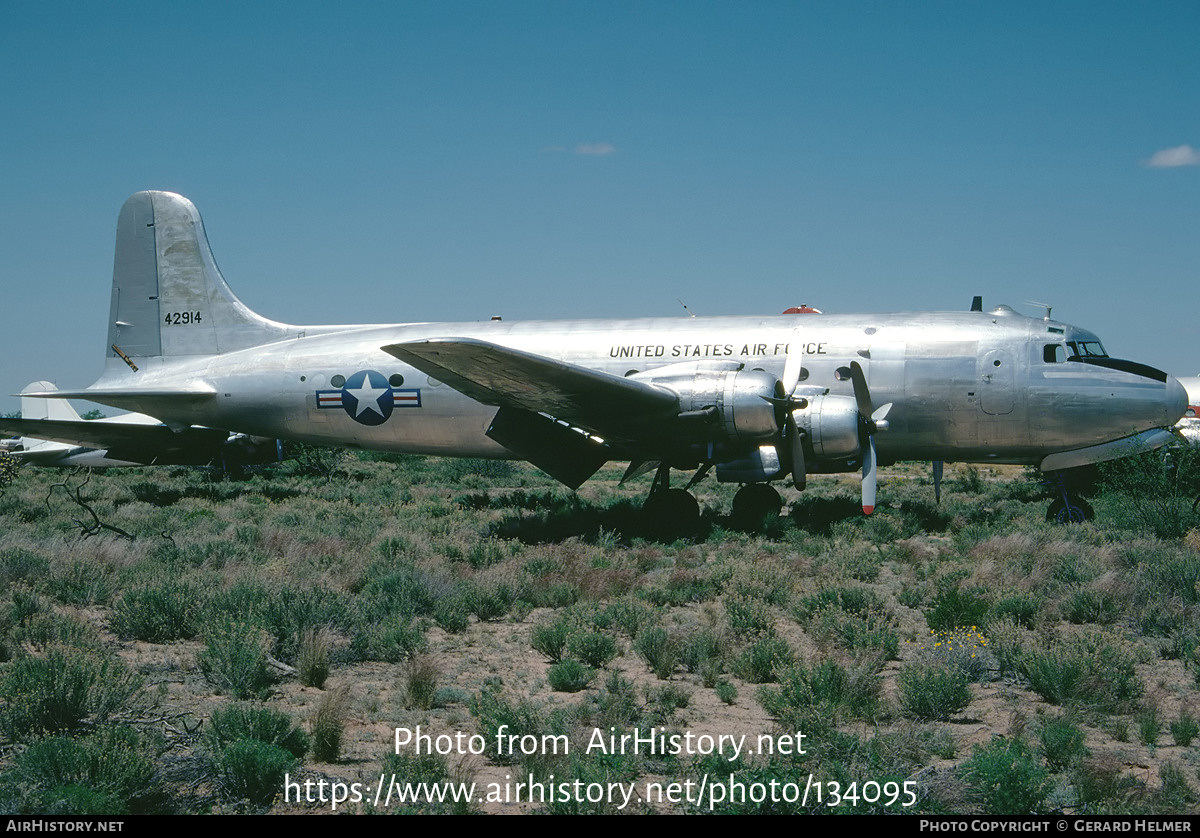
(56,436)
(755,399)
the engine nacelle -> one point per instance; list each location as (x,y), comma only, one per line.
(728,405)
(831,425)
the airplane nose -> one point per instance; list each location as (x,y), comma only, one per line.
(1175,401)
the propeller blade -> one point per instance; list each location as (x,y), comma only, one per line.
(862,395)
(799,469)
(870,477)
(792,363)
(937,480)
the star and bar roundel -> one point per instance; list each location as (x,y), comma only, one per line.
(368,398)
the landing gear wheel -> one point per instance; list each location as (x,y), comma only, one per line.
(755,501)
(671,513)
(1070,510)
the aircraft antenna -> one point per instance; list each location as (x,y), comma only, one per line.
(685,308)
(1040,305)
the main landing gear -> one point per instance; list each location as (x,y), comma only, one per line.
(669,513)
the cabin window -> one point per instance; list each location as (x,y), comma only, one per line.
(1054,353)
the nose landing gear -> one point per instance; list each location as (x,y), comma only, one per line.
(1067,507)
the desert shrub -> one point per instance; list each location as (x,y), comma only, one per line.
(159,613)
(1022,609)
(726,691)
(963,649)
(593,648)
(851,600)
(569,676)
(18,565)
(761,662)
(1005,778)
(452,613)
(659,650)
(1156,491)
(551,638)
(870,634)
(492,711)
(10,469)
(952,608)
(933,692)
(312,658)
(425,771)
(489,602)
(628,615)
(328,724)
(390,589)
(1092,669)
(392,640)
(62,691)
(703,651)
(818,695)
(1062,741)
(749,616)
(110,772)
(1149,724)
(235,722)
(81,583)
(1176,574)
(1184,729)
(45,629)
(421,675)
(234,659)
(252,770)
(1086,605)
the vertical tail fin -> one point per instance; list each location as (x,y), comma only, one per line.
(168,296)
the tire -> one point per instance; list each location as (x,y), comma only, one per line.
(755,501)
(1072,510)
(671,514)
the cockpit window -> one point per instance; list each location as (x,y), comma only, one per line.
(1087,349)
(1054,353)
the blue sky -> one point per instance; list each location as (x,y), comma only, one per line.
(390,162)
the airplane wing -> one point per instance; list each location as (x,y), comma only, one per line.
(551,412)
(497,375)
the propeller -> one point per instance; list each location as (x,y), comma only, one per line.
(793,363)
(870,421)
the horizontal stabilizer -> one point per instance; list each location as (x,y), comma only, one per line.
(151,401)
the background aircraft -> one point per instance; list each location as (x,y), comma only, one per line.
(56,435)
(753,399)
(1189,425)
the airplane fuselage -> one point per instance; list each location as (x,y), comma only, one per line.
(965,386)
